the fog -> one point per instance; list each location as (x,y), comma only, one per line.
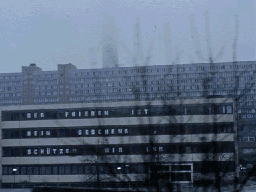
(56,32)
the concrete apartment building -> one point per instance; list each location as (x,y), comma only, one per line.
(80,144)
(71,85)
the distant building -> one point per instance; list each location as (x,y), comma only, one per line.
(85,144)
(109,42)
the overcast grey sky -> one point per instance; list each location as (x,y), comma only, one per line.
(51,32)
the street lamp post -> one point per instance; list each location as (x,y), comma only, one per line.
(14,170)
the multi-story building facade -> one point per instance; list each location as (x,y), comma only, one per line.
(71,85)
(118,144)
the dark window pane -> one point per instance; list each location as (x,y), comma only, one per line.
(5,170)
(67,169)
(74,169)
(48,170)
(7,134)
(10,171)
(180,167)
(90,169)
(29,170)
(36,170)
(61,170)
(80,169)
(55,170)
(42,170)
(23,171)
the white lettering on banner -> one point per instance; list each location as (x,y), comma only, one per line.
(88,132)
(139,112)
(49,151)
(54,151)
(120,150)
(92,113)
(28,115)
(106,150)
(36,133)
(35,115)
(28,133)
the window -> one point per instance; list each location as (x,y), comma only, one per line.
(48,170)
(5,170)
(74,169)
(251,139)
(188,149)
(245,139)
(42,170)
(67,169)
(90,169)
(80,169)
(229,109)
(29,170)
(55,170)
(36,170)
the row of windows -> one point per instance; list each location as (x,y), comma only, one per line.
(246,139)
(48,93)
(45,100)
(13,77)
(46,75)
(13,101)
(248,116)
(121,149)
(10,94)
(170,129)
(136,168)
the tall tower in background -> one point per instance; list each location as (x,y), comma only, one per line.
(167,43)
(109,42)
(93,57)
(137,44)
